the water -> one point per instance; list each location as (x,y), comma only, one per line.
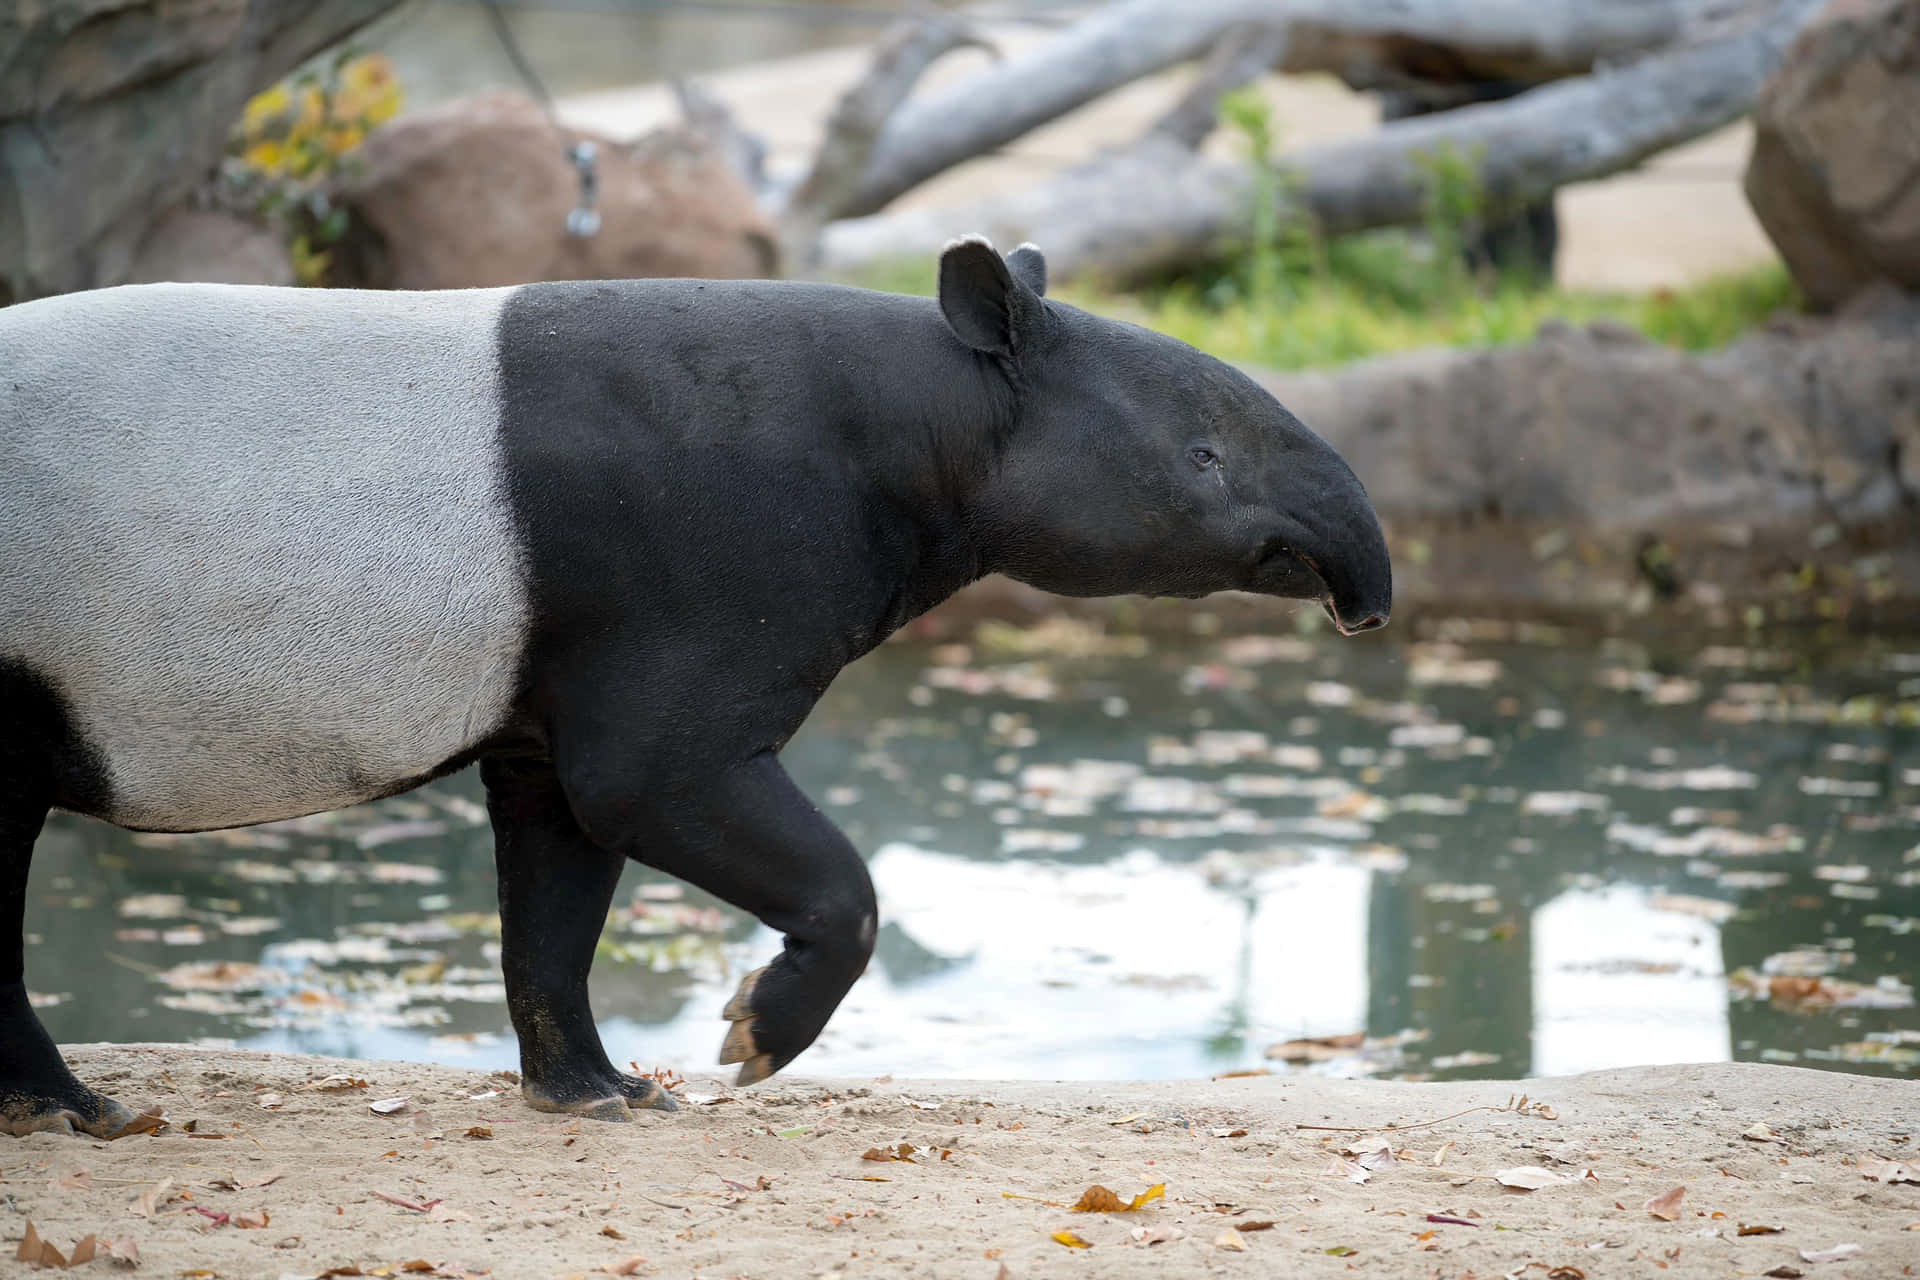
(1491,853)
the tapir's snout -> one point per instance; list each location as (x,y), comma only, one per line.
(1347,551)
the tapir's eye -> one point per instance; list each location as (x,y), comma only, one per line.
(1203,457)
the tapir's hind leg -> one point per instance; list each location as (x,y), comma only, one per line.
(37,1091)
(555,886)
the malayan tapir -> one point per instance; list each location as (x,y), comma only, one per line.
(265,552)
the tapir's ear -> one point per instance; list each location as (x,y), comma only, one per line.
(985,305)
(1029,268)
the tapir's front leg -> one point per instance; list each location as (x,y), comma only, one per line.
(555,886)
(749,835)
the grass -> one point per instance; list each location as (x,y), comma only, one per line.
(1385,291)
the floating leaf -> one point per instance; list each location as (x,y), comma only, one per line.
(1528,1178)
(1098,1199)
(1316,1048)
(1072,1239)
(1666,1205)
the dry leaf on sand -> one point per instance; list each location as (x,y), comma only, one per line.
(154,1198)
(626,1266)
(1072,1239)
(1834,1254)
(73,1180)
(1098,1199)
(1878,1170)
(1154,1235)
(1666,1205)
(1528,1177)
(1230,1241)
(387,1106)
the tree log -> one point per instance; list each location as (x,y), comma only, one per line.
(109,115)
(1155,205)
(1124,41)
(900,58)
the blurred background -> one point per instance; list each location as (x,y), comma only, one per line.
(1614,307)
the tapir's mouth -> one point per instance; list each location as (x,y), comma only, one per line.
(1372,622)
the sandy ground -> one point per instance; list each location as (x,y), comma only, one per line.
(1678,218)
(773,1183)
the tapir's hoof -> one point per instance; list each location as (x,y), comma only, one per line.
(612,1109)
(741,1005)
(94,1114)
(647,1095)
(740,1046)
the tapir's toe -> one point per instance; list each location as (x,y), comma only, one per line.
(739,1045)
(90,1113)
(610,1108)
(741,1005)
(647,1095)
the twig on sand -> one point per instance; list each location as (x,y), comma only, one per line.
(1520,1105)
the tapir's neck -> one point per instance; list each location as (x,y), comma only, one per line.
(927,419)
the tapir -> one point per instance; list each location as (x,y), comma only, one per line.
(266,552)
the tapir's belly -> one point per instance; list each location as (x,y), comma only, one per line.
(259,540)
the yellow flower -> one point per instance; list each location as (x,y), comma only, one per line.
(267,155)
(264,106)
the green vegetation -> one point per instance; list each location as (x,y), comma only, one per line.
(1381,292)
(1292,299)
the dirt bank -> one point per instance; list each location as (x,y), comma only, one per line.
(772,1183)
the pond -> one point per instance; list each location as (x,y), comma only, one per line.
(1486,851)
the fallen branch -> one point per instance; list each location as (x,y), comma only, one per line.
(901,57)
(1155,205)
(1122,42)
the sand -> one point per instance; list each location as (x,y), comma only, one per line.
(772,1183)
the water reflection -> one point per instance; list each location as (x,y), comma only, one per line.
(1495,855)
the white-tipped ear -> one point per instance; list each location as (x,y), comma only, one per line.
(1029,267)
(976,295)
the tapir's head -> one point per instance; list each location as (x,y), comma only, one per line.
(1136,464)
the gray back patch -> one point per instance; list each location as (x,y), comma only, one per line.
(260,538)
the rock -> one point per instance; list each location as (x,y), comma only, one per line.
(208,245)
(1835,171)
(112,110)
(476,193)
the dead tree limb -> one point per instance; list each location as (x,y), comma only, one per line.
(1123,41)
(900,58)
(1245,53)
(1155,205)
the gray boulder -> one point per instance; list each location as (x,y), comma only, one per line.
(1835,171)
(111,111)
